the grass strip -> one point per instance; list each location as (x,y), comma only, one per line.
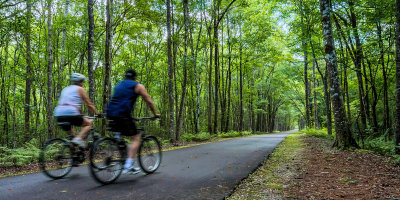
(270,179)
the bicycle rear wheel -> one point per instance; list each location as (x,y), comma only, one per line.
(55,158)
(149,154)
(106,160)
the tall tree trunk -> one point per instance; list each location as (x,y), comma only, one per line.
(209,108)
(229,79)
(375,99)
(347,89)
(358,59)
(316,120)
(397,113)
(90,48)
(216,66)
(108,58)
(64,36)
(241,115)
(49,72)
(386,119)
(344,138)
(304,47)
(28,80)
(328,103)
(170,74)
(185,61)
(196,80)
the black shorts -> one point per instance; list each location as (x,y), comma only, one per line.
(125,125)
(76,120)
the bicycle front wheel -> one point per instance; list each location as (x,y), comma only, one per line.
(149,154)
(55,158)
(106,160)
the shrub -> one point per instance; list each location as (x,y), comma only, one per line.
(317,133)
(234,134)
(202,136)
(24,155)
(380,146)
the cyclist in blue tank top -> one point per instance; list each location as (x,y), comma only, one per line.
(119,110)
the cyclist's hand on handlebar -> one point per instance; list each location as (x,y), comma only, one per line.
(100,115)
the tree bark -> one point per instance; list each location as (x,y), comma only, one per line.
(49,72)
(344,138)
(64,36)
(316,120)
(90,48)
(229,79)
(358,59)
(216,66)
(241,115)
(28,80)
(170,74)
(304,46)
(397,113)
(386,118)
(108,58)
(185,61)
(374,98)
(209,108)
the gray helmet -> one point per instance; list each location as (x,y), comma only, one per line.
(77,77)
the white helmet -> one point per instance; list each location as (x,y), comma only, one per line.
(77,77)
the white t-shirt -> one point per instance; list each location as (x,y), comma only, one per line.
(70,102)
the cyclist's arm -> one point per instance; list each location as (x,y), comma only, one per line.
(140,90)
(86,100)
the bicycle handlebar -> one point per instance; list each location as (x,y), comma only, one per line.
(103,115)
(145,118)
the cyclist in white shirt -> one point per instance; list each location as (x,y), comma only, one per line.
(69,108)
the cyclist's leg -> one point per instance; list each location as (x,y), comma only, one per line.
(86,126)
(134,146)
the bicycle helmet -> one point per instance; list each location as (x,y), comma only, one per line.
(77,77)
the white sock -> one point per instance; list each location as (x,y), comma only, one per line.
(128,163)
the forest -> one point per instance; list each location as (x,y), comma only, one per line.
(210,66)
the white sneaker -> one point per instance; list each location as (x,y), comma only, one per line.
(79,142)
(131,170)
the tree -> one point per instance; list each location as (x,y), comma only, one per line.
(28,81)
(49,71)
(170,74)
(344,138)
(185,62)
(397,77)
(90,48)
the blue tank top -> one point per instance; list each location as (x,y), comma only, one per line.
(122,100)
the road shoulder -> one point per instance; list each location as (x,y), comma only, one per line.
(306,167)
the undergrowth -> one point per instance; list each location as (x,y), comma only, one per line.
(380,145)
(322,133)
(27,154)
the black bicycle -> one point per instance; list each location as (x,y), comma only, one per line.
(58,156)
(107,157)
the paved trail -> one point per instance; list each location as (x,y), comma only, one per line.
(209,171)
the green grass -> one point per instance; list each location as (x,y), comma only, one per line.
(322,133)
(267,182)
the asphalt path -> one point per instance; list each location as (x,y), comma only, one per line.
(208,171)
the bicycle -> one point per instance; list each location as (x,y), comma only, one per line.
(58,155)
(108,155)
